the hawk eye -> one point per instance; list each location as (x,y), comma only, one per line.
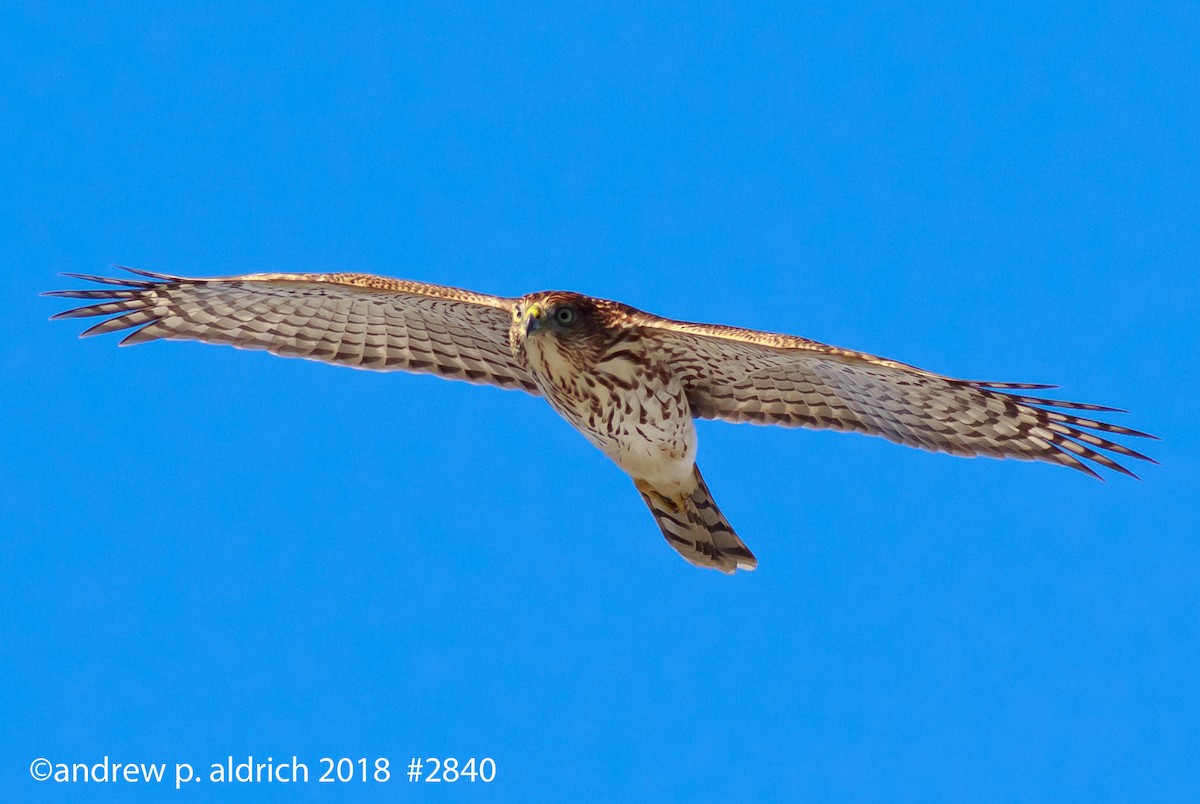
(564,315)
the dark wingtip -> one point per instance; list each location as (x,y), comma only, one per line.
(1126,431)
(1014,386)
(1068,405)
(140,272)
(123,284)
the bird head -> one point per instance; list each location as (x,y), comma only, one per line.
(561,326)
(558,315)
(565,317)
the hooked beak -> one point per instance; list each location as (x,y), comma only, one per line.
(533,318)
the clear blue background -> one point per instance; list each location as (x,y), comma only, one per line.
(210,552)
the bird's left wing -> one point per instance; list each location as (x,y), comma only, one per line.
(369,322)
(744,375)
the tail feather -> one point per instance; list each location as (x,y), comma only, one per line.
(695,527)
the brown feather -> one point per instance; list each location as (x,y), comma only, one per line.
(357,320)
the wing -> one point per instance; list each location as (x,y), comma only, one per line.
(746,376)
(357,320)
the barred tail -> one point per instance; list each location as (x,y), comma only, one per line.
(694,526)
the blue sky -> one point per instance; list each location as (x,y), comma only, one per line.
(211,552)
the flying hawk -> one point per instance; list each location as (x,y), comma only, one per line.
(631,382)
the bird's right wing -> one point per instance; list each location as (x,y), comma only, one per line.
(357,320)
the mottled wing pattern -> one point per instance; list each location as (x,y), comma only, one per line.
(747,376)
(357,320)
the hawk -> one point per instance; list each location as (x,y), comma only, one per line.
(632,383)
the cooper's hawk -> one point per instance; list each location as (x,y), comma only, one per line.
(631,382)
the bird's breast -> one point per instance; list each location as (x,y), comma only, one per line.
(636,412)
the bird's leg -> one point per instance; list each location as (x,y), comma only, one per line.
(676,504)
